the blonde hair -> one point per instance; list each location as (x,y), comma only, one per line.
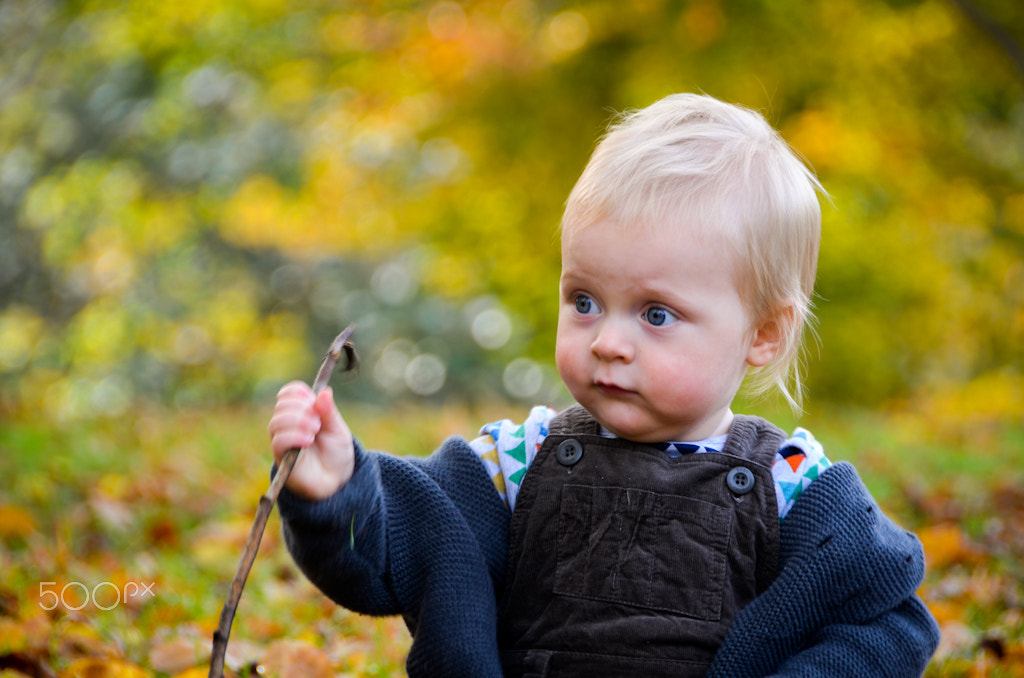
(721,168)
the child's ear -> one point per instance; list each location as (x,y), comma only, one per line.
(768,338)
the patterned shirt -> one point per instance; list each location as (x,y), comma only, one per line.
(507,449)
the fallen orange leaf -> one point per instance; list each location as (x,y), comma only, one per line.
(15,522)
(103,668)
(178,654)
(194,672)
(77,639)
(945,545)
(12,636)
(946,611)
(294,659)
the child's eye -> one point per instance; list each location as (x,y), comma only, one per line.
(584,304)
(659,317)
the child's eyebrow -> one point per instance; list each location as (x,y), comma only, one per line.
(654,286)
(573,277)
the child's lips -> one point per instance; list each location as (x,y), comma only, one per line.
(613,389)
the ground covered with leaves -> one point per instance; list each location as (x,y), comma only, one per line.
(118,542)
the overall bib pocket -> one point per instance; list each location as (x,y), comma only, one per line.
(649,550)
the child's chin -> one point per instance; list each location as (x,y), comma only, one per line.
(622,420)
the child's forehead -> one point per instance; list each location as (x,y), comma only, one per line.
(669,232)
(659,249)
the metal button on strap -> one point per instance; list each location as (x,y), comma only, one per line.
(740,480)
(569,452)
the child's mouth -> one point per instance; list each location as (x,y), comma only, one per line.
(613,390)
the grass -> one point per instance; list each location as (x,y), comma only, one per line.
(166,499)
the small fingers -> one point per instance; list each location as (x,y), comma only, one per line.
(288,430)
(296,390)
(294,422)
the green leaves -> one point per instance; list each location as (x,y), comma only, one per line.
(158,166)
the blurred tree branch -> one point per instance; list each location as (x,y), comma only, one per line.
(995,31)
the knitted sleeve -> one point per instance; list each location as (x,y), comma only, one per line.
(844,602)
(423,538)
(340,543)
(897,643)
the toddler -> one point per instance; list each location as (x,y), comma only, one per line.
(647,530)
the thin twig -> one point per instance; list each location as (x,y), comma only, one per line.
(341,344)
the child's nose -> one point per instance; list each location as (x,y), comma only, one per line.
(613,342)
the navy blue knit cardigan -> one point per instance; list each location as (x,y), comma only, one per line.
(427,539)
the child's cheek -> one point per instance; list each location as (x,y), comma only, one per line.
(567,357)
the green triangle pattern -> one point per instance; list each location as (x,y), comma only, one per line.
(519,451)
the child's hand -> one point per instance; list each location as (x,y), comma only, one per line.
(314,424)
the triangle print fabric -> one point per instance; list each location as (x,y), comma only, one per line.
(799,462)
(507,449)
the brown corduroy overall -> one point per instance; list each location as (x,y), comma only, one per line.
(624,561)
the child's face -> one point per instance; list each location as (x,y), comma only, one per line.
(653,338)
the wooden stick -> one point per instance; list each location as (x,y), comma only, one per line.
(340,344)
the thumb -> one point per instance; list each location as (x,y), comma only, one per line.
(330,418)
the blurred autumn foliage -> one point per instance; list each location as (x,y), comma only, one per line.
(195,196)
